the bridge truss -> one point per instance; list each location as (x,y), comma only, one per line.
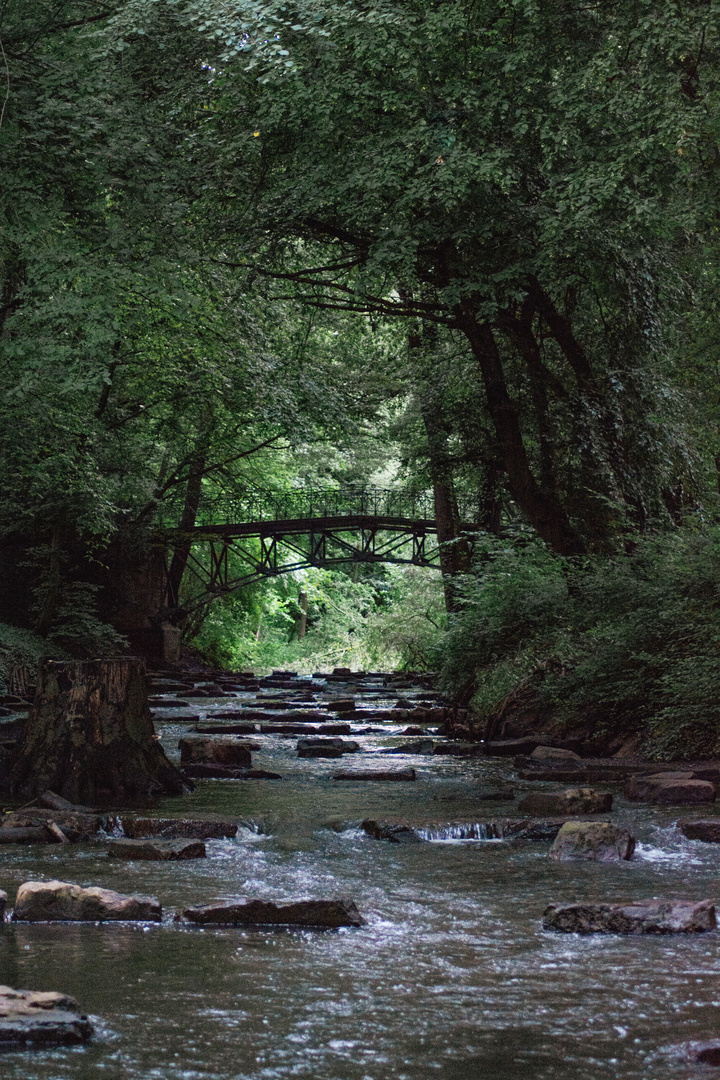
(301,529)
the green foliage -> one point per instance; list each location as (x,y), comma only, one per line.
(390,621)
(21,650)
(627,645)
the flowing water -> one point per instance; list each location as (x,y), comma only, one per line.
(452,976)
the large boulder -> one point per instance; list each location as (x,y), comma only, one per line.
(707,830)
(31,1019)
(636,917)
(215,751)
(157,850)
(599,841)
(61,901)
(136,828)
(244,912)
(670,789)
(566,803)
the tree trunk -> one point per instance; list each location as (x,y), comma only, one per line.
(454,551)
(89,736)
(543,509)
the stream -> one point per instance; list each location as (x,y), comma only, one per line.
(451,977)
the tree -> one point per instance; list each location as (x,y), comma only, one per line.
(528,176)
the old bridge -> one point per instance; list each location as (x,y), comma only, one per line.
(263,534)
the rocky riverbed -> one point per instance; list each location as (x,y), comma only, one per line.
(440,966)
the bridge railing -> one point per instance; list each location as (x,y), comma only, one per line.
(303,503)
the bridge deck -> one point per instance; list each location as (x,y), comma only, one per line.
(290,526)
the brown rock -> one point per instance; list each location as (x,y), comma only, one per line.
(396,833)
(705,1053)
(670,789)
(707,830)
(571,801)
(61,901)
(216,751)
(136,828)
(599,841)
(244,912)
(156,850)
(638,917)
(31,1019)
(553,753)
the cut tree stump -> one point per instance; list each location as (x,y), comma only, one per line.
(89,736)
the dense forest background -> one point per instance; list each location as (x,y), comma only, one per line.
(466,250)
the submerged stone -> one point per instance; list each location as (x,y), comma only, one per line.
(62,901)
(244,912)
(637,917)
(32,1019)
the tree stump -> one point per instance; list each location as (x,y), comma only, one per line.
(90,738)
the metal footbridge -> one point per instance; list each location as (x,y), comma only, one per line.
(266,533)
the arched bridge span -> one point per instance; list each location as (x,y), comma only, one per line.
(273,533)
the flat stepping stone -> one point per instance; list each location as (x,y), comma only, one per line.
(375,774)
(159,850)
(707,830)
(640,917)
(31,1019)
(244,912)
(137,828)
(63,901)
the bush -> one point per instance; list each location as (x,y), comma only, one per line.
(633,641)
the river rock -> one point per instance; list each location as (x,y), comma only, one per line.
(599,841)
(704,1053)
(396,833)
(637,917)
(217,751)
(571,801)
(341,705)
(419,746)
(244,912)
(136,828)
(156,850)
(3,904)
(226,729)
(670,789)
(228,772)
(322,747)
(376,774)
(553,753)
(707,830)
(31,1019)
(459,749)
(61,901)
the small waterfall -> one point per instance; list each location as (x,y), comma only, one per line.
(466,830)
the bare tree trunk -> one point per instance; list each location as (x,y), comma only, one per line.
(543,509)
(89,736)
